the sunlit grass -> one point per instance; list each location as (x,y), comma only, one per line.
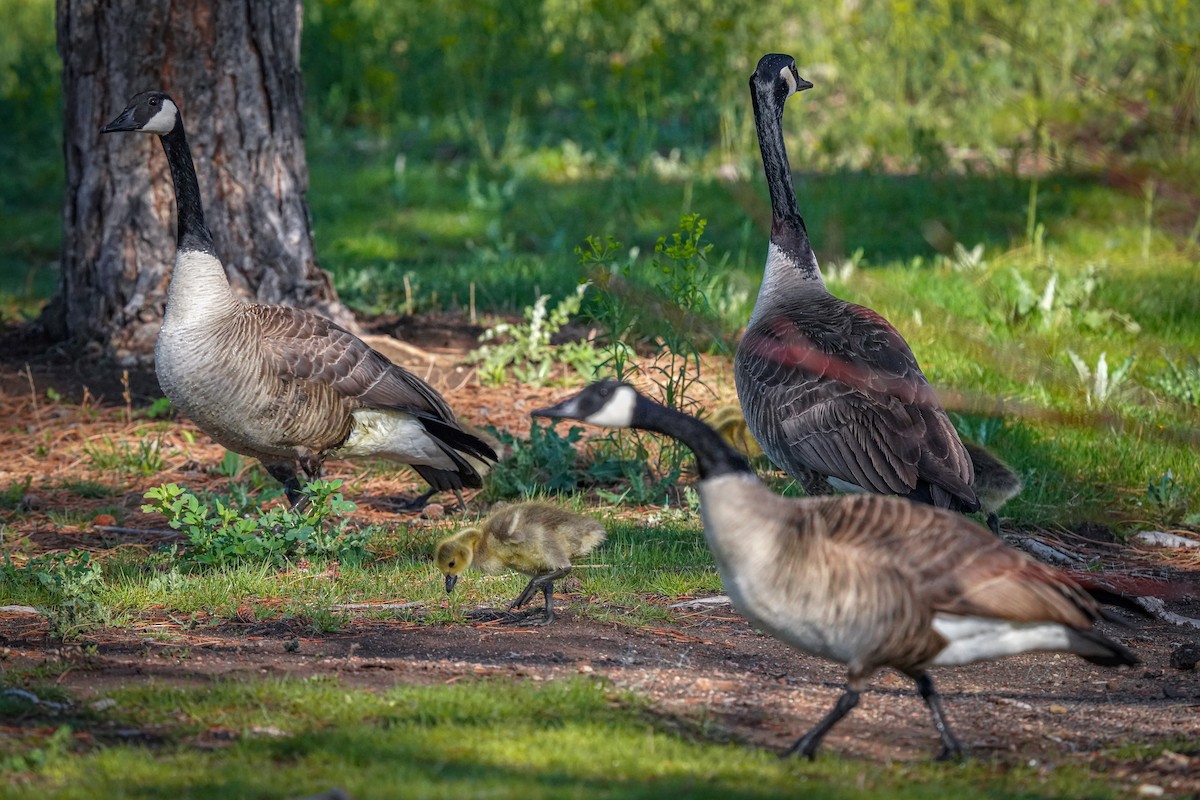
(567,738)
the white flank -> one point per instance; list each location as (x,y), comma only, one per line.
(977,638)
(164,121)
(392,435)
(618,411)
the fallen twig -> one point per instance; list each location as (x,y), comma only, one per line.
(1159,609)
(1047,553)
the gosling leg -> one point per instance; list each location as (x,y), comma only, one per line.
(993,522)
(545,584)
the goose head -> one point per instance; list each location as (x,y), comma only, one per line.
(776,76)
(149,112)
(455,554)
(608,404)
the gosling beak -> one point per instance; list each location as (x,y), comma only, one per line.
(450,581)
(125,122)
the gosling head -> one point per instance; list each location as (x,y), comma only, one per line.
(608,403)
(454,555)
(150,112)
(778,71)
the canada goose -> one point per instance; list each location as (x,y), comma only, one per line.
(281,384)
(995,482)
(536,539)
(867,580)
(827,384)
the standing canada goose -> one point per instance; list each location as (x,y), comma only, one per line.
(536,539)
(279,384)
(826,384)
(995,482)
(866,580)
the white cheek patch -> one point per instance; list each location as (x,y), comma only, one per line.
(618,411)
(164,121)
(789,79)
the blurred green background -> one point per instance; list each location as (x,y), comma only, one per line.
(1005,182)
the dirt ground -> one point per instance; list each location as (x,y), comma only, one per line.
(708,664)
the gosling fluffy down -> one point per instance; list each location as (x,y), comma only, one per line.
(536,539)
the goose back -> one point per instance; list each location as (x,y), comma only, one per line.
(831,386)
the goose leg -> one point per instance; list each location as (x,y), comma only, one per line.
(807,744)
(287,475)
(993,522)
(951,746)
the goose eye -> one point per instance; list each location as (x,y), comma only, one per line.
(153,101)
(451,564)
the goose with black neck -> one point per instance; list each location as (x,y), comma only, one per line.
(867,580)
(281,384)
(827,385)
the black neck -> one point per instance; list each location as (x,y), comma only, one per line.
(714,457)
(192,233)
(787,226)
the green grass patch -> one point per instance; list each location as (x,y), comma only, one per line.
(572,738)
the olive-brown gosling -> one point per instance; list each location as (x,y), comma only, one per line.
(995,482)
(730,422)
(536,539)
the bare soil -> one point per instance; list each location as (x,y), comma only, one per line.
(707,665)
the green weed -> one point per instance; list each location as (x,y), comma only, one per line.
(1180,382)
(1101,386)
(68,585)
(16,490)
(220,535)
(543,463)
(92,490)
(527,350)
(145,458)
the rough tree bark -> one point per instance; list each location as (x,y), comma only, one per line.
(233,67)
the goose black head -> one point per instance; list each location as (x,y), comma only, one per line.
(609,404)
(150,112)
(778,72)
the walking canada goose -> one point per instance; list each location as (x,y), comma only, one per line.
(995,482)
(867,580)
(826,384)
(279,384)
(536,539)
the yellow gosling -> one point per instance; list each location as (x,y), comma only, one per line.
(536,539)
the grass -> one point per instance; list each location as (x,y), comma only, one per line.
(565,738)
(999,127)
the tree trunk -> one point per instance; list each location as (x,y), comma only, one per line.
(233,68)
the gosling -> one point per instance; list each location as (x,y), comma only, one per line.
(730,422)
(995,482)
(536,539)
